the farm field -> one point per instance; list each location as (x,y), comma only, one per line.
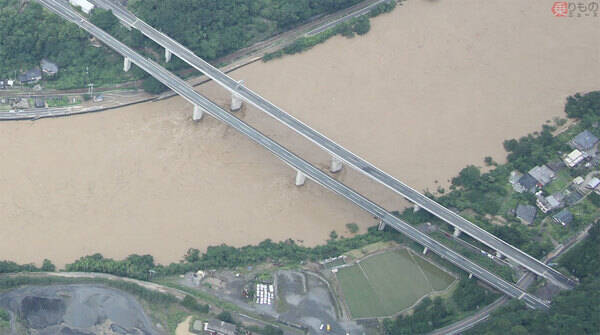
(387,283)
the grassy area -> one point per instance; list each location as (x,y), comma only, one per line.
(563,179)
(371,288)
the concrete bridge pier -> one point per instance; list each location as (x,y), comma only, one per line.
(381,225)
(300,178)
(416,208)
(198,113)
(470,275)
(126,64)
(336,164)
(236,100)
(168,55)
(457,232)
(425,250)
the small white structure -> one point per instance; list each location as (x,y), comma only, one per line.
(265,294)
(578,180)
(85,5)
(595,182)
(574,158)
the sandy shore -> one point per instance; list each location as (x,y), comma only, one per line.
(435,85)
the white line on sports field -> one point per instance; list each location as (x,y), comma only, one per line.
(364,272)
(420,269)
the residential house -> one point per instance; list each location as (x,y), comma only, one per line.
(578,181)
(215,327)
(574,158)
(528,183)
(48,67)
(542,174)
(31,76)
(563,217)
(550,202)
(526,213)
(584,141)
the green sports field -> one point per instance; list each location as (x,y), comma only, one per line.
(387,283)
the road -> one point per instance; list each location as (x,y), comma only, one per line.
(524,282)
(336,150)
(38,113)
(186,91)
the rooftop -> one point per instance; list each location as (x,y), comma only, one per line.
(526,213)
(585,140)
(49,67)
(528,182)
(542,174)
(220,327)
(563,217)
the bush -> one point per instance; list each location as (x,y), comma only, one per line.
(4,316)
(190,303)
(352,227)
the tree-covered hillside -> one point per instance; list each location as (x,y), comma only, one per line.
(211,28)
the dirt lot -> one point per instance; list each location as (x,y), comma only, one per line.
(77,310)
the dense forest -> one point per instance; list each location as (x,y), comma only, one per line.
(210,28)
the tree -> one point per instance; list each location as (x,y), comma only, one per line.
(362,25)
(47,266)
(225,316)
(153,86)
(104,19)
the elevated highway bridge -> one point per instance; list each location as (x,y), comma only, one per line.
(338,153)
(304,169)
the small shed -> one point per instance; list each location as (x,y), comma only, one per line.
(563,217)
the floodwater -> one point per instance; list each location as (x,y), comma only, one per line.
(434,86)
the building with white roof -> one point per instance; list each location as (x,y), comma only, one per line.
(85,5)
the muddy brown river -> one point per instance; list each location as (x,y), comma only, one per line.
(434,86)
